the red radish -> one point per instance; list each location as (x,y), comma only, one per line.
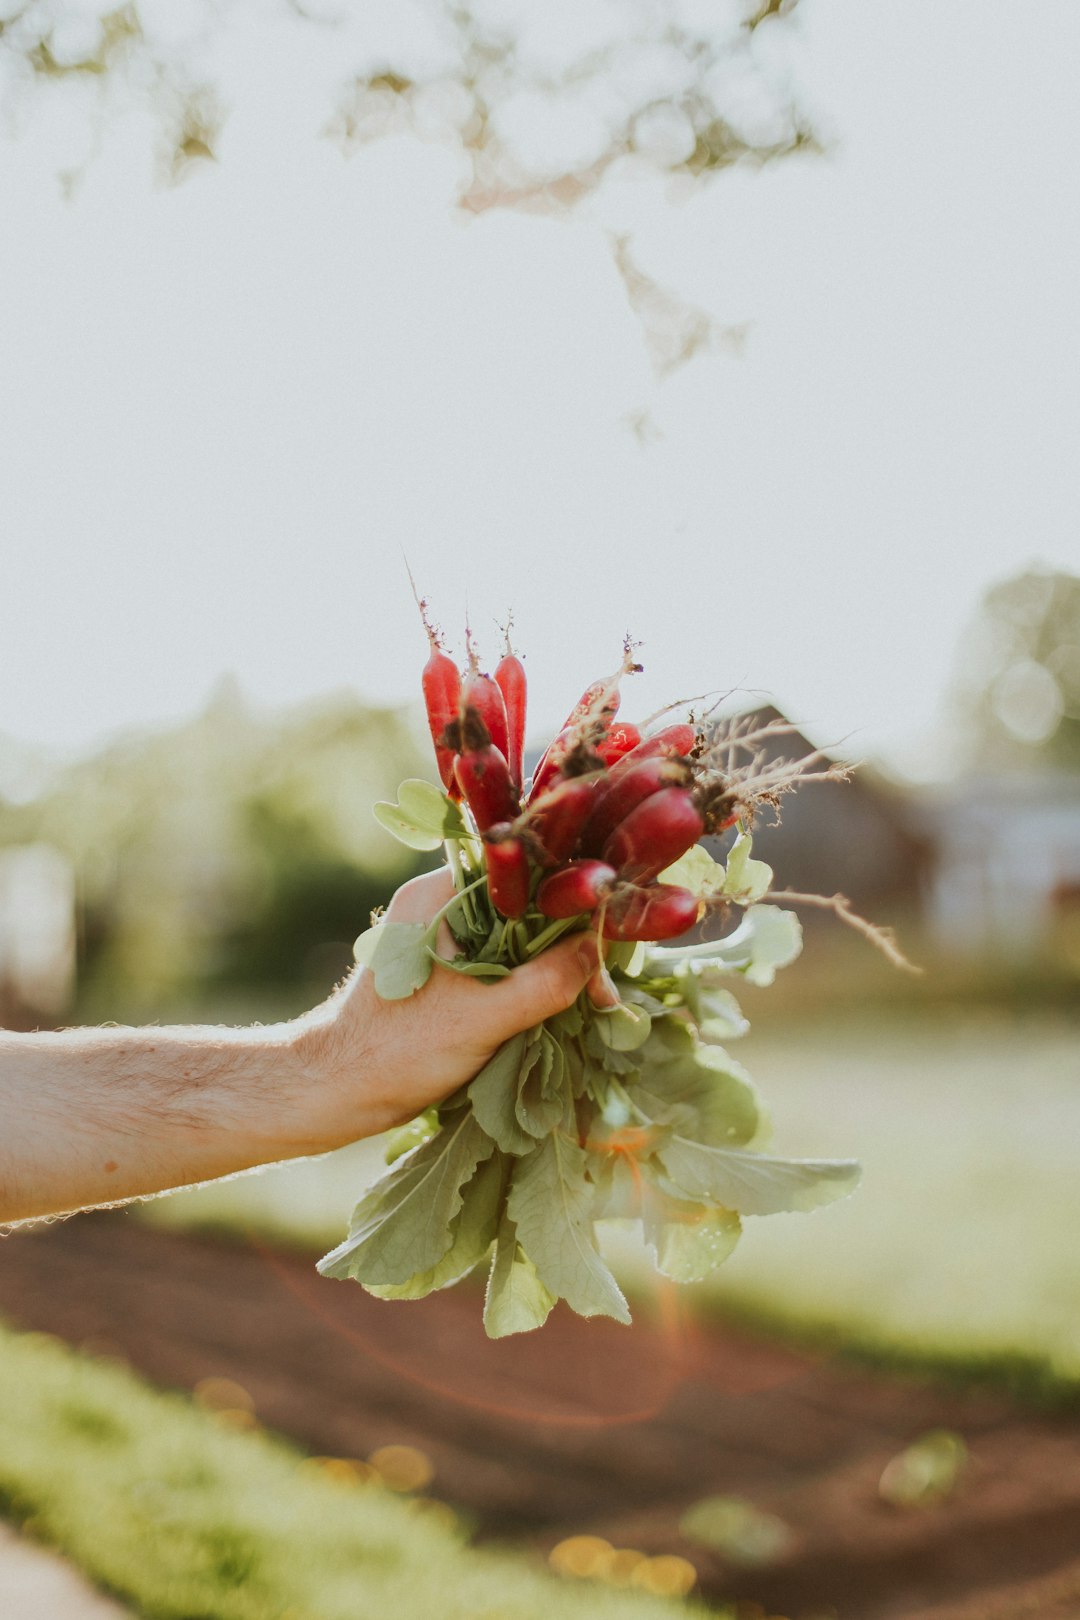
(579,887)
(680,739)
(551,762)
(484,776)
(441,684)
(660,911)
(507,871)
(481,693)
(600,701)
(619,793)
(556,821)
(510,679)
(661,829)
(619,741)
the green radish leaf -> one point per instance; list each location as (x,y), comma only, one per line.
(413,1135)
(471,970)
(689,1240)
(399,955)
(403,1225)
(766,939)
(428,806)
(746,880)
(565,1025)
(624,1027)
(405,831)
(696,871)
(541,1094)
(626,957)
(704,1095)
(423,817)
(753,1183)
(493,1095)
(472,1230)
(516,1300)
(551,1203)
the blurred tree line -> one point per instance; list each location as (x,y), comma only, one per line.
(235,853)
(1017,688)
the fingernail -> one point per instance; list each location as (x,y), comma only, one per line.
(602,991)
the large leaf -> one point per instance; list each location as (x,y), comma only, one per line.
(551,1203)
(703,1095)
(473,1231)
(689,1240)
(423,816)
(403,1225)
(399,955)
(754,1183)
(516,1300)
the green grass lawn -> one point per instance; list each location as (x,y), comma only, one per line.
(962,1242)
(188,1520)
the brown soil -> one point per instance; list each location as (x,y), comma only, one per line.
(589,1427)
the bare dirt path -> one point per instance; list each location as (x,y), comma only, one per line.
(588,1427)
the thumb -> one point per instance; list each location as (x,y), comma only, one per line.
(544,987)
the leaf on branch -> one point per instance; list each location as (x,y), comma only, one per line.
(551,1203)
(404,1224)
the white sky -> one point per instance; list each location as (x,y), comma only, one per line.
(225,409)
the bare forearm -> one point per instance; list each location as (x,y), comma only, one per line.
(96,1116)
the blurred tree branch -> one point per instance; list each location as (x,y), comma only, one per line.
(541,104)
(678,87)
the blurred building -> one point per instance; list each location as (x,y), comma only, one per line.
(1006,877)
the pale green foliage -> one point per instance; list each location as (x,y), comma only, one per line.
(516,1300)
(766,939)
(403,1226)
(551,1204)
(470,1236)
(746,881)
(752,1183)
(399,955)
(557,1112)
(698,872)
(688,1239)
(422,818)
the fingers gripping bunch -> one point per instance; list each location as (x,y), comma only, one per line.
(630,1111)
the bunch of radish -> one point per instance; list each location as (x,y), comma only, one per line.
(607,809)
(628,1111)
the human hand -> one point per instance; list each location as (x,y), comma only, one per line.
(378,1063)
